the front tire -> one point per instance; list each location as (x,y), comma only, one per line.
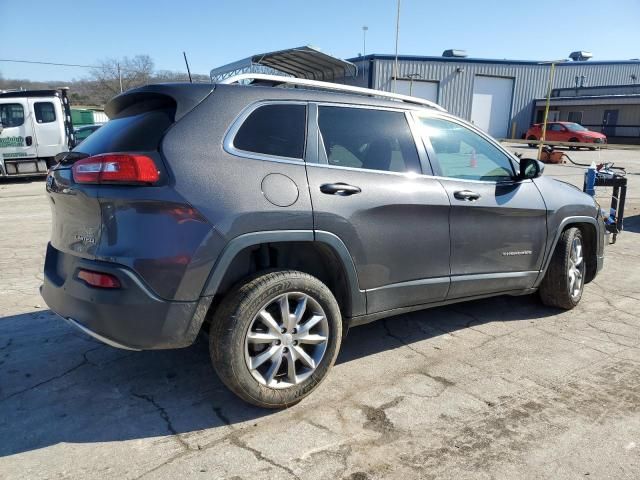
(531,137)
(275,337)
(563,283)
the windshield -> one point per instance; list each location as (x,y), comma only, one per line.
(575,127)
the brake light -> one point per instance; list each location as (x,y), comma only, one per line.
(97,279)
(116,168)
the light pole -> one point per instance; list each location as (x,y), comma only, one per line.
(395,64)
(364,47)
(546,107)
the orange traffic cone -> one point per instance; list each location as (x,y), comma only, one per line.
(473,162)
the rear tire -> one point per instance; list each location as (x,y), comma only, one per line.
(531,137)
(563,283)
(275,337)
(572,147)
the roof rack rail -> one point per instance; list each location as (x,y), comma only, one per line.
(276,79)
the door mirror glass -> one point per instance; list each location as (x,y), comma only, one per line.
(530,168)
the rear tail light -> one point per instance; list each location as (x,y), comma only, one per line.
(116,168)
(98,279)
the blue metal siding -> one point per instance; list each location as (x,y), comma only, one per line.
(530,80)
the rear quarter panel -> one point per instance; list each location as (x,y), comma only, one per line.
(227,189)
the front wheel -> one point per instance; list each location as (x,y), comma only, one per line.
(275,337)
(563,283)
(531,137)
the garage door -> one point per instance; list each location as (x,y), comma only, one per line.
(491,105)
(420,89)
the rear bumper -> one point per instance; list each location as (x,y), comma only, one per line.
(131,317)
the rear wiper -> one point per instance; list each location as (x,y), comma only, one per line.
(68,158)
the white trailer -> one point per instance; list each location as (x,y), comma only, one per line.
(35,125)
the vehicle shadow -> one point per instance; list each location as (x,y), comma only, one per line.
(632,224)
(57,385)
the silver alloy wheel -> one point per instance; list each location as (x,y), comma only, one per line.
(286,340)
(576,269)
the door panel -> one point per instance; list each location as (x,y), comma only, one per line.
(367,188)
(16,137)
(498,240)
(396,230)
(48,126)
(497,224)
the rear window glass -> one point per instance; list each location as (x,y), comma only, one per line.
(141,132)
(45,112)
(11,115)
(277,130)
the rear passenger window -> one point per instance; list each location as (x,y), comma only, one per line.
(368,138)
(277,130)
(45,112)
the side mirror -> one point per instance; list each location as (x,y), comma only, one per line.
(530,168)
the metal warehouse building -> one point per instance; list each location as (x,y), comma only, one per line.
(500,96)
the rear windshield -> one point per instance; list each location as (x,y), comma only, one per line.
(141,132)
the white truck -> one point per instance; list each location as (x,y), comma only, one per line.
(35,125)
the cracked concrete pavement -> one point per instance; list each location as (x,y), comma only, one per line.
(498,388)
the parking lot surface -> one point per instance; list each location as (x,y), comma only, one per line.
(498,388)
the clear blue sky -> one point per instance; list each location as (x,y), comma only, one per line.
(217,32)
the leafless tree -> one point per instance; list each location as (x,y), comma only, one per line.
(113,76)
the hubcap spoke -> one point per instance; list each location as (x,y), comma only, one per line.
(269,321)
(312,322)
(257,337)
(576,268)
(306,359)
(300,309)
(263,357)
(311,339)
(275,366)
(291,367)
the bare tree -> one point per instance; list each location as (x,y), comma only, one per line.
(113,76)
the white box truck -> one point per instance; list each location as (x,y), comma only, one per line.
(35,125)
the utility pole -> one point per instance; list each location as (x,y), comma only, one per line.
(120,76)
(364,47)
(546,110)
(395,65)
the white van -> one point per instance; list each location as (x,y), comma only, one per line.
(35,125)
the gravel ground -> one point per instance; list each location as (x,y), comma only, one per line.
(498,388)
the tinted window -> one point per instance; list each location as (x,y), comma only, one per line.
(131,133)
(274,130)
(368,138)
(11,115)
(555,127)
(462,153)
(45,112)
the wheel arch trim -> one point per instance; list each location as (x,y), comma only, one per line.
(236,245)
(566,222)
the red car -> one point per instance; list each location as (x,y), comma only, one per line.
(565,132)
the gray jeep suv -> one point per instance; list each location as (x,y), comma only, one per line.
(276,213)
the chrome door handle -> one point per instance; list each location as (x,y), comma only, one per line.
(339,188)
(466,195)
